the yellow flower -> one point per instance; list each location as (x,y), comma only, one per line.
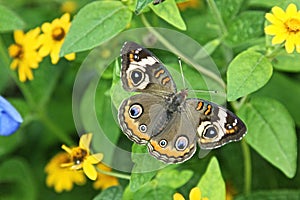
(24,53)
(62,178)
(53,37)
(81,158)
(105,181)
(285,26)
(195,194)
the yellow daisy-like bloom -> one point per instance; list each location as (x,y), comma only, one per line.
(81,158)
(24,53)
(105,181)
(62,178)
(195,194)
(285,26)
(53,37)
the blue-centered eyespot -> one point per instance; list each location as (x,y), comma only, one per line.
(143,128)
(163,143)
(210,132)
(181,143)
(137,76)
(135,111)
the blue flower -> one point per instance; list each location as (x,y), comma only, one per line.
(10,119)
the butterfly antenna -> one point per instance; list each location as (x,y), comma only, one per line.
(181,71)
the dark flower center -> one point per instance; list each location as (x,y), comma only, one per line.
(58,33)
(16,51)
(78,155)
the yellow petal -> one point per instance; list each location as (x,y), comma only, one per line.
(273,30)
(279,39)
(178,196)
(289,46)
(195,194)
(28,73)
(279,13)
(65,17)
(32,34)
(70,164)
(19,36)
(44,50)
(271,18)
(298,48)
(70,56)
(54,58)
(85,140)
(291,10)
(95,158)
(46,27)
(14,64)
(89,170)
(67,149)
(22,76)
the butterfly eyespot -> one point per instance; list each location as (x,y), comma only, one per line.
(210,132)
(228,126)
(135,111)
(181,143)
(136,76)
(136,57)
(163,143)
(143,128)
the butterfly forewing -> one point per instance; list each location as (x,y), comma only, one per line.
(143,72)
(216,125)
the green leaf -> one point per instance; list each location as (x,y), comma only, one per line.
(17,180)
(246,28)
(273,195)
(145,167)
(4,62)
(289,92)
(229,10)
(94,24)
(9,20)
(271,132)
(169,12)
(152,192)
(112,193)
(270,3)
(248,72)
(211,183)
(141,4)
(173,178)
(286,62)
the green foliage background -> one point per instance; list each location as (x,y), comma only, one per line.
(262,84)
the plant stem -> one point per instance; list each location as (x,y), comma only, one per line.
(115,174)
(217,14)
(176,51)
(247,167)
